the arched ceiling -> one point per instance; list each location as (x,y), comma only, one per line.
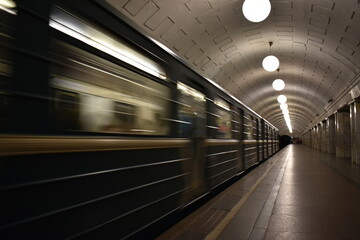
(316,41)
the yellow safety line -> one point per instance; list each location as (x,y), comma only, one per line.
(221,226)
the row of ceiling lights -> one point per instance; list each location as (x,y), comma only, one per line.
(257,11)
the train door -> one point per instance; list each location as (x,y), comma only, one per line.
(250,140)
(273,141)
(261,140)
(266,152)
(192,125)
(270,142)
(257,124)
(238,134)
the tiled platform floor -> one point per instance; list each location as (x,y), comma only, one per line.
(299,193)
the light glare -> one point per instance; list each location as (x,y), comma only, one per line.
(95,38)
(7,3)
(256,10)
(285,111)
(278,84)
(270,63)
(287,119)
(282,99)
(284,106)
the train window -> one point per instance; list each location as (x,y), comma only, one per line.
(266,132)
(124,117)
(235,122)
(223,120)
(191,113)
(67,110)
(260,131)
(255,128)
(249,127)
(111,98)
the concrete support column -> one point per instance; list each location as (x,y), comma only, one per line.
(330,132)
(318,137)
(323,136)
(342,134)
(313,138)
(307,139)
(355,131)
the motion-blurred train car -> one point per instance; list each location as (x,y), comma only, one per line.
(103,132)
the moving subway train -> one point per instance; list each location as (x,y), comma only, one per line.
(104,133)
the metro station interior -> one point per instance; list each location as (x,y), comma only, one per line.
(186,119)
(316,43)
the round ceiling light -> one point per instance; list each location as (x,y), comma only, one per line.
(282,99)
(270,63)
(256,10)
(285,111)
(278,84)
(283,106)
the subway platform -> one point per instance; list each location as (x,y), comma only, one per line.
(299,193)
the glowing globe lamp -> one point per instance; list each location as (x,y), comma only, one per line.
(285,112)
(256,10)
(283,106)
(282,99)
(270,63)
(278,84)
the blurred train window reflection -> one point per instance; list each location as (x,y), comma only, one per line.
(106,42)
(192,112)
(124,116)
(235,123)
(67,110)
(95,95)
(249,127)
(223,120)
(255,128)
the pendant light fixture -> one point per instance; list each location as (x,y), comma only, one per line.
(283,106)
(256,10)
(270,63)
(278,84)
(282,99)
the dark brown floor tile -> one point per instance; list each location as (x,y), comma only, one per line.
(239,228)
